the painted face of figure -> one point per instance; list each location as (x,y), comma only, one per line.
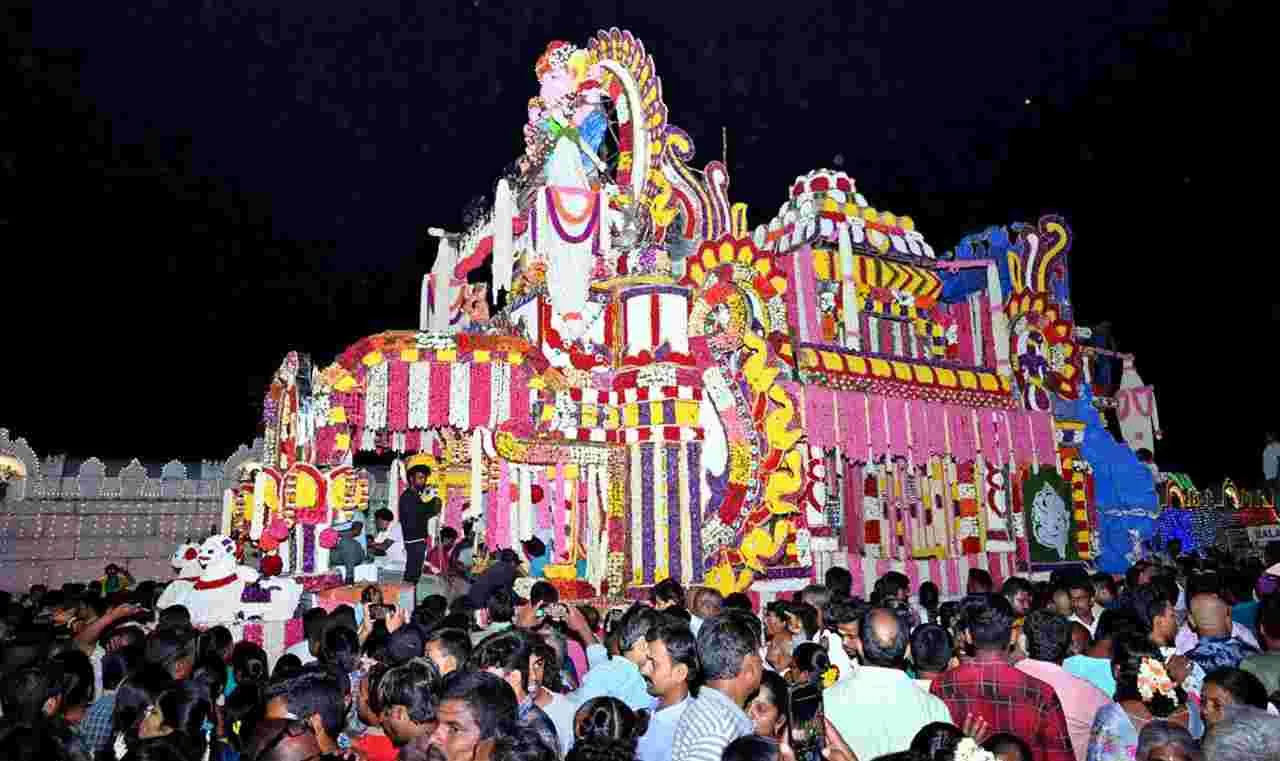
(556,84)
(475,302)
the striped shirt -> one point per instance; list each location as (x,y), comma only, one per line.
(708,725)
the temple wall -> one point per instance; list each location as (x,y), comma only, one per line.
(56,528)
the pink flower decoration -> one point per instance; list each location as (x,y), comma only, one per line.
(278,530)
(328,539)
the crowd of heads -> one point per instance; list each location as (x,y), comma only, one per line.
(436,687)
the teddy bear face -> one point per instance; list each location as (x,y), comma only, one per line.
(217,553)
(183,556)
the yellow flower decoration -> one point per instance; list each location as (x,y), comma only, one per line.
(830,676)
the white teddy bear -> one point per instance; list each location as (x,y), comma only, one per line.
(219,594)
(186,561)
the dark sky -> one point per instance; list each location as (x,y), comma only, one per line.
(193,189)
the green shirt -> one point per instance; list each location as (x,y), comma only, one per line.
(1265,666)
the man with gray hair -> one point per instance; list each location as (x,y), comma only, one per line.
(1247,734)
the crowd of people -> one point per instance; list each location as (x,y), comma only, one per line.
(1177,661)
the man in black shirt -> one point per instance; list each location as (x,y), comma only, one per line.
(417,507)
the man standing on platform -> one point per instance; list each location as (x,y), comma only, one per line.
(1271,463)
(417,507)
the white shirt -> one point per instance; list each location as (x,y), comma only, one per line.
(880,710)
(836,654)
(303,651)
(1271,461)
(1097,616)
(394,559)
(656,743)
(561,711)
(1187,639)
(709,723)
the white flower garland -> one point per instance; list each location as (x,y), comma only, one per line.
(969,750)
(589,456)
(419,394)
(435,341)
(1153,678)
(656,375)
(499,394)
(460,395)
(375,411)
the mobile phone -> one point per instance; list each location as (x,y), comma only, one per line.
(806,721)
(378,612)
(557,611)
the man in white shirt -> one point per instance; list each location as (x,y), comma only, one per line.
(1271,462)
(880,709)
(671,665)
(842,640)
(1086,611)
(388,546)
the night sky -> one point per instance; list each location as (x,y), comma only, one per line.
(193,189)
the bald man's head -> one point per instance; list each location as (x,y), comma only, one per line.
(1210,615)
(884,641)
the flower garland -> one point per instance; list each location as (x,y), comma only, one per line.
(969,750)
(691,474)
(661,515)
(398,395)
(480,399)
(376,397)
(460,395)
(499,394)
(1153,679)
(830,677)
(676,516)
(308,548)
(555,211)
(419,384)
(648,525)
